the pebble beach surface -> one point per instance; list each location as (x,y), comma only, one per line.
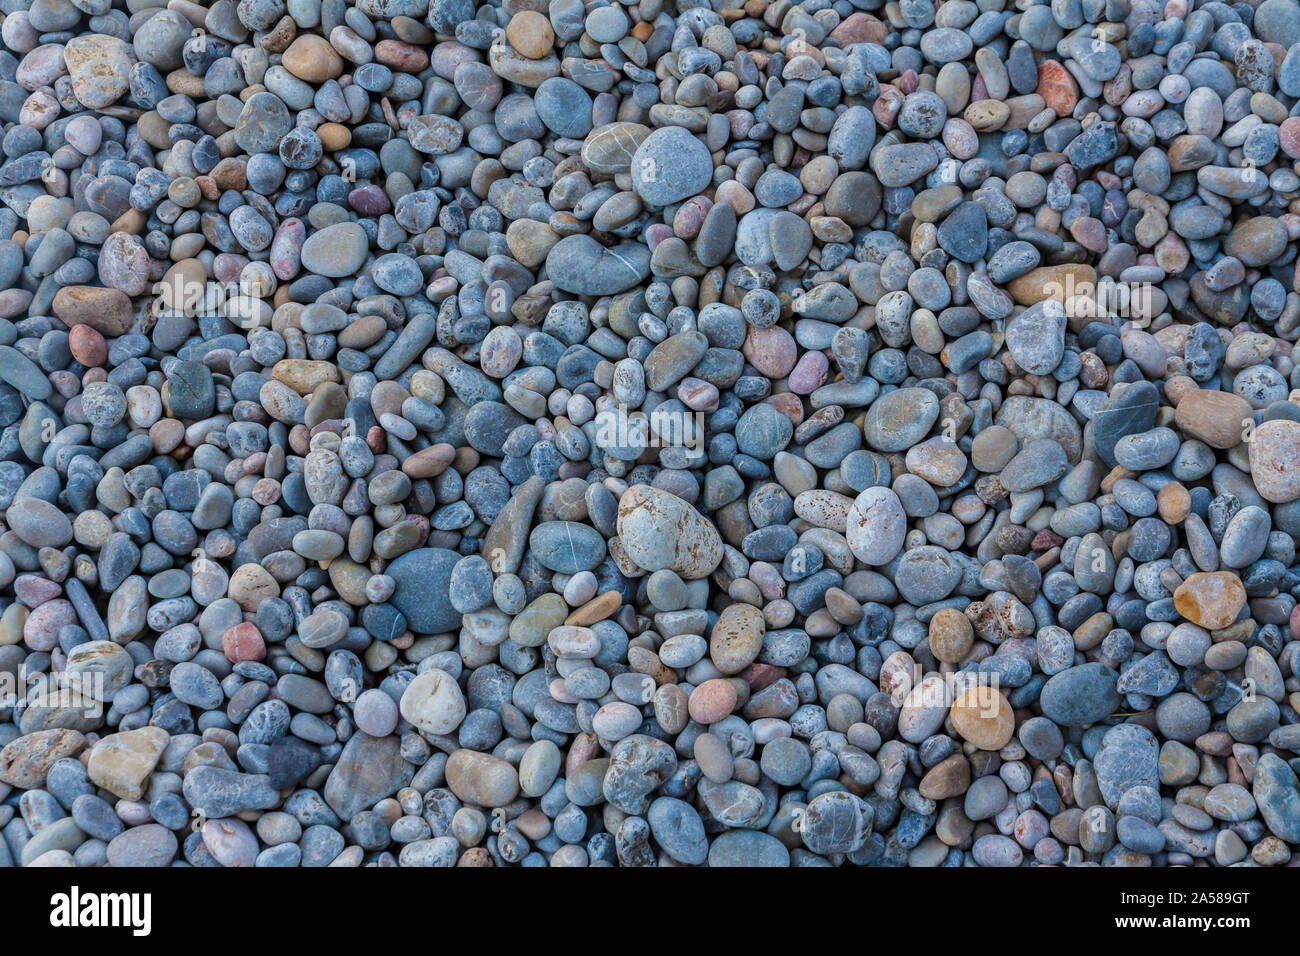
(584,433)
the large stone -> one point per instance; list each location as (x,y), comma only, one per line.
(670,165)
(1213,600)
(1030,418)
(107,311)
(1129,757)
(1220,419)
(423,592)
(1080,695)
(581,265)
(100,68)
(26,760)
(660,531)
(336,251)
(1036,337)
(122,762)
(1278,796)
(481,779)
(1275,460)
(876,526)
(368,770)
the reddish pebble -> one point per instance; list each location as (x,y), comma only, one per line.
(712,701)
(887,105)
(400,56)
(860,28)
(741,122)
(227,266)
(772,351)
(41,632)
(243,642)
(1045,540)
(446,56)
(34,591)
(286,248)
(1106,180)
(1057,87)
(87,346)
(429,462)
(809,374)
(657,233)
(788,404)
(1090,233)
(698,395)
(1172,254)
(208,187)
(369,200)
(690,217)
(759,675)
(1288,136)
(266,492)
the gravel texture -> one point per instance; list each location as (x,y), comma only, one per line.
(566,433)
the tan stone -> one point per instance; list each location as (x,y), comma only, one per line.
(1053,282)
(304,376)
(951,635)
(1174,503)
(100,68)
(737,638)
(480,779)
(530,33)
(984,717)
(1213,600)
(107,311)
(985,116)
(251,584)
(610,148)
(1217,418)
(948,778)
(597,609)
(529,241)
(122,762)
(26,760)
(311,58)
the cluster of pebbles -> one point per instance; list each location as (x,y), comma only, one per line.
(571,432)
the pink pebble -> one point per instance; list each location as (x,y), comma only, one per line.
(369,200)
(286,249)
(656,234)
(1288,136)
(809,374)
(34,591)
(712,701)
(772,351)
